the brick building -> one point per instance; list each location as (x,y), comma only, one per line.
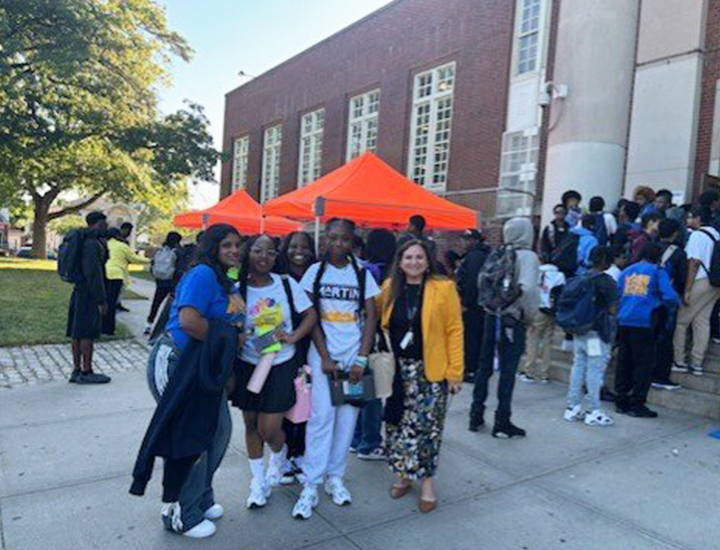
(500,105)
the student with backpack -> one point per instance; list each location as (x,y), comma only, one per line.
(509,293)
(274,305)
(587,308)
(540,332)
(643,288)
(700,294)
(605,223)
(162,268)
(343,294)
(82,262)
(674,262)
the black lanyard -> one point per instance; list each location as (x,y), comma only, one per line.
(413,311)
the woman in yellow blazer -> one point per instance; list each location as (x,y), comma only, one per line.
(117,273)
(421,314)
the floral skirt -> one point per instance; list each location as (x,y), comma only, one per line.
(413,444)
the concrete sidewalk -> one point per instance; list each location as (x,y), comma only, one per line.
(67,452)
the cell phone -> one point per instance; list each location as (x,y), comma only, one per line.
(264,341)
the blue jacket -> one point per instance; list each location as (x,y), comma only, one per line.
(587,242)
(644,287)
(185,419)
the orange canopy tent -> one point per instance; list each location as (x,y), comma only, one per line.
(371,193)
(242,212)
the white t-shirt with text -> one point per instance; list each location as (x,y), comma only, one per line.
(340,307)
(268,308)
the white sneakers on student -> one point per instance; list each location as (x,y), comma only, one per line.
(306,503)
(215,512)
(574,413)
(172,519)
(598,418)
(335,488)
(259,493)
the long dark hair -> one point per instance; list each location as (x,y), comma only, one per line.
(282,265)
(380,249)
(397,275)
(208,249)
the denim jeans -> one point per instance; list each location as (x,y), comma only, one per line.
(587,370)
(507,336)
(196,495)
(367,436)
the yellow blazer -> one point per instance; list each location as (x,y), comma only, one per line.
(442,328)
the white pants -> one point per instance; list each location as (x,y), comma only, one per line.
(329,431)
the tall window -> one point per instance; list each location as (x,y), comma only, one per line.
(272,142)
(311,144)
(363,124)
(241,148)
(528,31)
(430,130)
(518,168)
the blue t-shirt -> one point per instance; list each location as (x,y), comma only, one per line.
(200,289)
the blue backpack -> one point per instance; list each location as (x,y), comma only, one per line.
(600,229)
(577,309)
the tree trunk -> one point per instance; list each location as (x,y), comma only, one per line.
(41,209)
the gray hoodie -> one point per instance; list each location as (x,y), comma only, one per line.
(519,232)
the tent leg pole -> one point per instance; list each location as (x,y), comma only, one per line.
(317,235)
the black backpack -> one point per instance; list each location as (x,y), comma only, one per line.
(360,274)
(70,257)
(714,270)
(600,229)
(497,282)
(577,310)
(565,257)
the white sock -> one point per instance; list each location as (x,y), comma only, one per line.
(257,468)
(278,459)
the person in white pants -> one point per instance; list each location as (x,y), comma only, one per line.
(343,295)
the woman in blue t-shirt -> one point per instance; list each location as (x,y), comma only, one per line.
(205,292)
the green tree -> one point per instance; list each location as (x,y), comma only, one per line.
(78,107)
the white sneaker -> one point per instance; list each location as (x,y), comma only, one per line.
(573,413)
(526,378)
(259,493)
(202,530)
(273,475)
(598,418)
(308,500)
(335,488)
(375,454)
(697,371)
(215,512)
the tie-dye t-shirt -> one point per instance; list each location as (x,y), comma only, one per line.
(267,309)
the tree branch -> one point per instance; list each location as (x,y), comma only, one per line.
(76,207)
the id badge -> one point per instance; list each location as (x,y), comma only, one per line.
(353,389)
(594,349)
(407,340)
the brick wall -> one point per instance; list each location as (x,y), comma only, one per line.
(710,75)
(385,50)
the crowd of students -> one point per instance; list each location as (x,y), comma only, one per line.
(626,287)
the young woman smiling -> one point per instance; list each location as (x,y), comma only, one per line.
(343,293)
(271,300)
(421,311)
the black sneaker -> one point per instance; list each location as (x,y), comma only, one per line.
(476,424)
(506,430)
(642,412)
(74,376)
(666,385)
(122,308)
(93,378)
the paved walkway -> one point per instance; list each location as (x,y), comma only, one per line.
(66,453)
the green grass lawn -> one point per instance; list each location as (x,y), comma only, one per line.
(34,303)
(142,272)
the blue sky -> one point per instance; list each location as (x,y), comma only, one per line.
(249,35)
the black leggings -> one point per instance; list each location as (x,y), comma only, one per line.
(162,289)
